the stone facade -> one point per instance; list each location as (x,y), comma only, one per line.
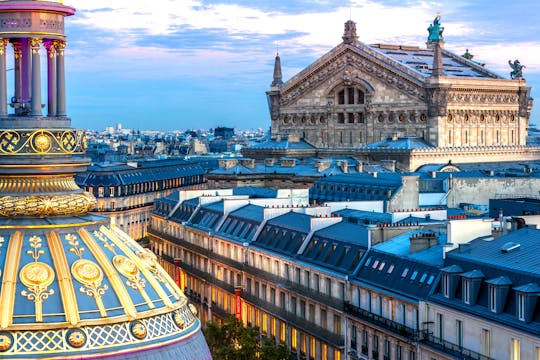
(360,94)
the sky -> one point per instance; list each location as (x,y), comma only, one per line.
(181,64)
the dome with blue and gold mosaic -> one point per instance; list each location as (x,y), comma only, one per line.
(72,285)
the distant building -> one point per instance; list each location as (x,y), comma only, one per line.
(397,102)
(224,133)
(126,192)
(519,206)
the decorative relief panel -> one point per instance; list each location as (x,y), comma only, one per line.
(42,142)
(40,23)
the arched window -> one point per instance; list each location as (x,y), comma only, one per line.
(350,96)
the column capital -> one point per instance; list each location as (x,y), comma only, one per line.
(3,44)
(35,43)
(51,47)
(60,45)
(17,49)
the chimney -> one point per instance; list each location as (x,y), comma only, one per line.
(422,241)
(249,163)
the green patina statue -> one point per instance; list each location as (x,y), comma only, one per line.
(517,70)
(436,30)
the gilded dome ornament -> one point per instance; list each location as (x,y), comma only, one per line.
(72,284)
(138,330)
(6,341)
(37,276)
(179,320)
(76,338)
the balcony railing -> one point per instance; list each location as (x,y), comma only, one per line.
(446,347)
(381,321)
(296,321)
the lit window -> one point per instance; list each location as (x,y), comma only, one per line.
(368,261)
(405,272)
(515,350)
(390,269)
(382,266)
(375,264)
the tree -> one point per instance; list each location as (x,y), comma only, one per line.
(231,340)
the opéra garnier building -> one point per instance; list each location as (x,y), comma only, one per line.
(72,285)
(412,104)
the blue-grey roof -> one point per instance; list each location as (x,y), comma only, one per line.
(284,234)
(121,174)
(255,192)
(282,144)
(420,60)
(250,212)
(338,247)
(404,143)
(400,246)
(396,274)
(526,259)
(364,217)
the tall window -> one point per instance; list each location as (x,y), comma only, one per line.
(446,285)
(440,325)
(459,333)
(466,291)
(521,307)
(515,349)
(486,342)
(493,298)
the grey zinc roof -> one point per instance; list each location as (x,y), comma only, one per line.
(421,61)
(526,259)
(404,143)
(251,212)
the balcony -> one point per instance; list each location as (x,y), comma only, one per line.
(296,321)
(448,348)
(387,324)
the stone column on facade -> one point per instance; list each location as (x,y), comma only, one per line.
(17,53)
(381,347)
(209,302)
(36,76)
(393,349)
(318,350)
(60,78)
(3,82)
(51,78)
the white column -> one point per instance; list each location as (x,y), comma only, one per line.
(60,78)
(3,83)
(36,76)
(17,52)
(51,78)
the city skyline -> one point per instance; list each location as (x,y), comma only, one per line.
(205,64)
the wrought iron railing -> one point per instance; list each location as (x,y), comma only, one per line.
(446,347)
(381,321)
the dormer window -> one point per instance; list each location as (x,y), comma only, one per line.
(492,299)
(521,307)
(446,285)
(466,291)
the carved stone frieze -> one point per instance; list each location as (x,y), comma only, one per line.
(344,64)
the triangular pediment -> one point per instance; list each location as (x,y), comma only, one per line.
(359,59)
